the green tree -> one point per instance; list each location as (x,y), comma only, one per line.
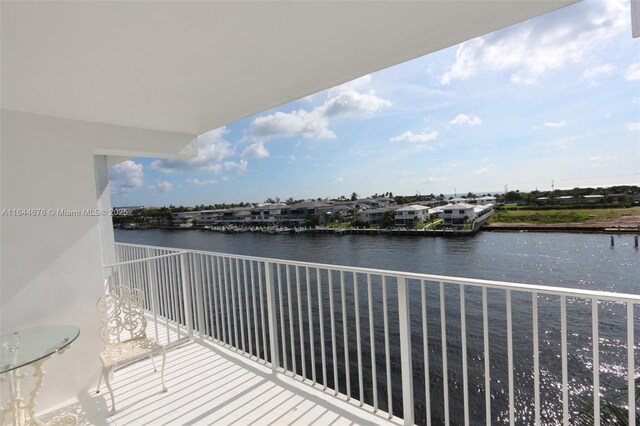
(389,219)
(354,196)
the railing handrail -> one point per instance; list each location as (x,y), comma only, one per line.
(503,285)
(144,259)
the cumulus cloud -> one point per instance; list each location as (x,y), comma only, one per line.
(600,70)
(213,149)
(125,177)
(538,45)
(634,127)
(345,100)
(238,166)
(257,150)
(555,124)
(464,119)
(416,137)
(199,182)
(633,72)
(160,187)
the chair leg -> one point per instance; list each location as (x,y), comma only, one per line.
(164,360)
(153,362)
(105,373)
(99,381)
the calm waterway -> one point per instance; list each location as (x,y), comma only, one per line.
(570,260)
(585,261)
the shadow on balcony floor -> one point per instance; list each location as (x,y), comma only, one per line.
(212,385)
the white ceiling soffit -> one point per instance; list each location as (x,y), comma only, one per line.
(635,18)
(189,67)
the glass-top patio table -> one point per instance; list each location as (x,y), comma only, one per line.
(30,347)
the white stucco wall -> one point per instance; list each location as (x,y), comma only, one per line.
(51,266)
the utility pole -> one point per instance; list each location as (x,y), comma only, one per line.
(506,190)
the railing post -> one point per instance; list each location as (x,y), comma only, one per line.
(271,314)
(153,301)
(405,350)
(186,294)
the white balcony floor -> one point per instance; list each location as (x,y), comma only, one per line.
(209,384)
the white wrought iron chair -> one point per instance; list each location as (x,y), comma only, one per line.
(123,329)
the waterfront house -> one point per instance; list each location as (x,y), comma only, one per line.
(487,199)
(86,85)
(374,217)
(183,219)
(457,214)
(411,215)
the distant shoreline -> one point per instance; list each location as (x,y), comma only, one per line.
(546,228)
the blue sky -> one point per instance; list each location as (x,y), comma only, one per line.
(553,98)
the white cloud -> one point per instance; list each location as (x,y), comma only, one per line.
(239,167)
(160,187)
(633,72)
(545,43)
(339,180)
(307,124)
(599,161)
(555,124)
(125,177)
(212,150)
(482,170)
(423,147)
(634,127)
(515,78)
(433,179)
(256,150)
(416,137)
(464,119)
(199,182)
(593,72)
(342,101)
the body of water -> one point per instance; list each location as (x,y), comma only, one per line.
(584,261)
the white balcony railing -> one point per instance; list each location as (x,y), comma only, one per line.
(426,348)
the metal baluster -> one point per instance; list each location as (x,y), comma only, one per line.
(300,323)
(311,336)
(333,334)
(282,327)
(425,346)
(344,332)
(487,365)
(385,310)
(321,310)
(463,332)
(372,341)
(510,358)
(445,366)
(291,334)
(565,374)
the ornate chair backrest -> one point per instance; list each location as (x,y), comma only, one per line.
(122,315)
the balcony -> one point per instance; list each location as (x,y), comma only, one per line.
(255,340)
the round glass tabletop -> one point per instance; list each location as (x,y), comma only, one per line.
(20,348)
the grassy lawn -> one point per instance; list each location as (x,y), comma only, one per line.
(433,224)
(559,215)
